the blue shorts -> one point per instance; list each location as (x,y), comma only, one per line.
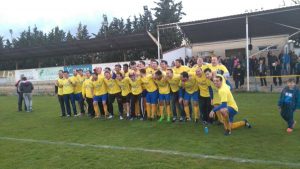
(231,113)
(152,97)
(164,97)
(100,98)
(144,94)
(194,96)
(78,97)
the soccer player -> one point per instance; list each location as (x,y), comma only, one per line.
(124,83)
(136,91)
(200,64)
(60,94)
(288,103)
(219,68)
(228,107)
(125,70)
(179,68)
(174,80)
(164,95)
(78,80)
(205,101)
(100,95)
(68,93)
(163,66)
(189,84)
(114,93)
(87,93)
(213,92)
(152,93)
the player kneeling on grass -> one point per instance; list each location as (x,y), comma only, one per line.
(164,95)
(228,107)
(288,103)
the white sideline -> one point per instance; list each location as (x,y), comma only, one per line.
(166,152)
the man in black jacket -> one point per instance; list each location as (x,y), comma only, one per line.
(276,67)
(20,95)
(26,88)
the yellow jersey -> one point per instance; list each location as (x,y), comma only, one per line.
(67,86)
(190,86)
(216,96)
(136,86)
(148,83)
(59,88)
(99,87)
(79,82)
(218,67)
(181,69)
(195,67)
(203,85)
(124,85)
(112,86)
(87,88)
(226,96)
(174,83)
(163,86)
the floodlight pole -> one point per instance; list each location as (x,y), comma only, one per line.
(158,45)
(247,53)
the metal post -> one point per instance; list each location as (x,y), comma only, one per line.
(158,45)
(247,54)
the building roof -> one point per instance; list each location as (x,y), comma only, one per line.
(111,43)
(262,23)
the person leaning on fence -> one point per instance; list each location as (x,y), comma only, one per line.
(26,88)
(262,71)
(288,103)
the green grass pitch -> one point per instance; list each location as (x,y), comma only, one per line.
(51,138)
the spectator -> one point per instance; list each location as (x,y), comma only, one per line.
(262,70)
(20,95)
(26,88)
(186,60)
(253,65)
(271,60)
(286,63)
(276,68)
(298,70)
(238,76)
(294,59)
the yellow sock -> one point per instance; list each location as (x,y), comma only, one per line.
(153,112)
(168,110)
(196,111)
(105,109)
(238,124)
(161,110)
(187,111)
(148,108)
(177,111)
(137,110)
(97,111)
(226,122)
(220,117)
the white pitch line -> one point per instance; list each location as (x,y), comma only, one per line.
(165,152)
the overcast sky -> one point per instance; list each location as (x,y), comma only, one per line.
(46,14)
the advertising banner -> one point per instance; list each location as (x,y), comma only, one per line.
(70,69)
(46,74)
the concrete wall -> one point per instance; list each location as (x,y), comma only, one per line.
(218,48)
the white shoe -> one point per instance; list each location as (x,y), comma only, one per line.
(121,118)
(77,115)
(110,117)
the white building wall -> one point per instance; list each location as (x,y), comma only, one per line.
(218,48)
